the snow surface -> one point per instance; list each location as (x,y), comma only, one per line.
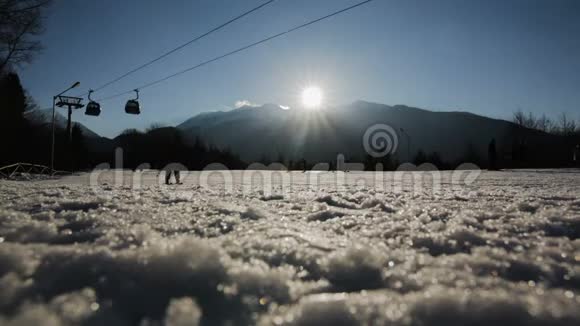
(501,249)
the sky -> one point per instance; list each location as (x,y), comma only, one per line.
(489,57)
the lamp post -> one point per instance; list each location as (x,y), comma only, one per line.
(53,120)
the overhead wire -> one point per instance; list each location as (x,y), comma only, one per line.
(168,53)
(238,50)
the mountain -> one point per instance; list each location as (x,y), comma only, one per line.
(271,132)
(95,143)
(44,118)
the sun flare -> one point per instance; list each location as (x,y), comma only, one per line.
(312,97)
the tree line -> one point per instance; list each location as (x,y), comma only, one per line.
(158,147)
(563,125)
(26,141)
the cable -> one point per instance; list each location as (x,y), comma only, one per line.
(180,47)
(238,50)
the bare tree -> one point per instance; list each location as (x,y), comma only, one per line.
(545,124)
(566,126)
(20,23)
(154,126)
(519,118)
(526,121)
(531,121)
(563,126)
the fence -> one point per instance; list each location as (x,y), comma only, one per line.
(10,171)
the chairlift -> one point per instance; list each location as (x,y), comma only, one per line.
(93,108)
(132,106)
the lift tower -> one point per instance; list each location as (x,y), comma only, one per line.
(71,103)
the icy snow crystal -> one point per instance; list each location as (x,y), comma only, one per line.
(506,251)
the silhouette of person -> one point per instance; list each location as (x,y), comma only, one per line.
(492,155)
(174,154)
(168,174)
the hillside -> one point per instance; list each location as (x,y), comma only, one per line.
(44,118)
(271,132)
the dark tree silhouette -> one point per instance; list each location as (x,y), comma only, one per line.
(563,126)
(13,103)
(13,99)
(20,23)
(435,159)
(79,150)
(545,124)
(566,126)
(420,158)
(492,155)
(471,155)
(387,163)
(526,121)
(162,146)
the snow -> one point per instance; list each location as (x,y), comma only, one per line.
(182,312)
(502,248)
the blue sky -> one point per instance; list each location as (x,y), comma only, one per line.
(488,57)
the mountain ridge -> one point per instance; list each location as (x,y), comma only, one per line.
(254,133)
(41,117)
(270,132)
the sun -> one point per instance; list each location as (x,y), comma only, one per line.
(312,97)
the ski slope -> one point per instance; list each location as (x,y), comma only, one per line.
(485,248)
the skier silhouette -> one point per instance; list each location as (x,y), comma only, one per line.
(169,172)
(174,147)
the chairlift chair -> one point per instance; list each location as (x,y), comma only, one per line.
(132,106)
(93,108)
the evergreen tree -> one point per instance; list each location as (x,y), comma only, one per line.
(79,149)
(420,158)
(13,103)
